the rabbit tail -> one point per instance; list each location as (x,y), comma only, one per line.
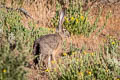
(36,49)
(36,52)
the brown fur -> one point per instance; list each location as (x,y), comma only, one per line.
(51,45)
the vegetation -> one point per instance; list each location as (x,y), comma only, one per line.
(102,65)
(76,20)
(12,32)
(79,64)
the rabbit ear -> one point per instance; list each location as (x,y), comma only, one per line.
(61,19)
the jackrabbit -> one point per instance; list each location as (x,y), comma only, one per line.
(51,45)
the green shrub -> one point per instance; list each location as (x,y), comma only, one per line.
(102,65)
(11,65)
(13,32)
(76,20)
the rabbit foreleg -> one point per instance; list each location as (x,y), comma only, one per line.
(49,61)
